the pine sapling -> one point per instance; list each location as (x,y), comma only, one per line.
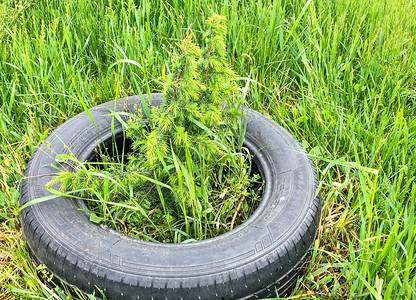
(185,160)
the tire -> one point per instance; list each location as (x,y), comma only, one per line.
(262,256)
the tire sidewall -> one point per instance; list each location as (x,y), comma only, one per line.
(260,252)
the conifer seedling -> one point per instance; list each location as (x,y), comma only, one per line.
(186,179)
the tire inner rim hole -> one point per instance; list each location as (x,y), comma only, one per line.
(123,146)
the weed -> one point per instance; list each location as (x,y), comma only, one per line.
(186,172)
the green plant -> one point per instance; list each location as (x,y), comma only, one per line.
(187,171)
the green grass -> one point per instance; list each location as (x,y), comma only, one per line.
(339,75)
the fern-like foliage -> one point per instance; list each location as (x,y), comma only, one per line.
(191,116)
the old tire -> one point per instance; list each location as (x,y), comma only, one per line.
(262,256)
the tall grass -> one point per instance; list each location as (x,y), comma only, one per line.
(339,75)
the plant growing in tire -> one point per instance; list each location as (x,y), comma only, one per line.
(157,197)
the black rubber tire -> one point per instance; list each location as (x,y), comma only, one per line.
(263,255)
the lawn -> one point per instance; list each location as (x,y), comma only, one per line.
(339,75)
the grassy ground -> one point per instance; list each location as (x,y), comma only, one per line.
(339,75)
